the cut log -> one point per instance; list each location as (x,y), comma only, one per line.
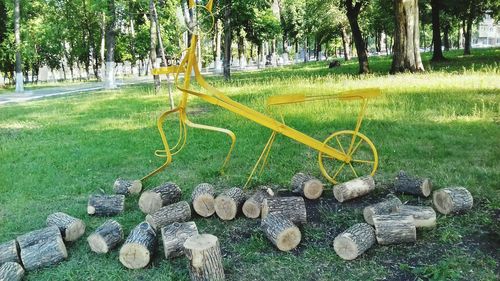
(307,186)
(138,249)
(382,208)
(281,231)
(125,187)
(106,237)
(11,271)
(411,185)
(177,212)
(452,200)
(41,248)
(160,196)
(9,252)
(394,228)
(354,241)
(424,216)
(353,188)
(175,235)
(253,205)
(106,205)
(228,203)
(205,259)
(292,208)
(71,228)
(203,197)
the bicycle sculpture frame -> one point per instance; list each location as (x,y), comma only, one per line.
(330,151)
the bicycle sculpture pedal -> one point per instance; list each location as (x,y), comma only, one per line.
(344,154)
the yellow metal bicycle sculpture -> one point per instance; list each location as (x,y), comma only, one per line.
(347,153)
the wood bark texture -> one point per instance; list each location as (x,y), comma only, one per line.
(394,229)
(11,271)
(203,198)
(41,248)
(307,186)
(9,252)
(424,216)
(163,195)
(411,185)
(381,208)
(177,212)
(205,258)
(106,237)
(106,205)
(138,249)
(71,228)
(228,203)
(125,187)
(292,208)
(253,205)
(354,241)
(174,236)
(353,188)
(452,200)
(281,231)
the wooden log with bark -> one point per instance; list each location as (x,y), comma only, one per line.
(281,231)
(353,188)
(292,208)
(9,252)
(106,237)
(160,196)
(71,228)
(381,208)
(126,187)
(11,271)
(138,249)
(354,241)
(253,205)
(203,198)
(106,205)
(174,236)
(307,186)
(412,185)
(228,203)
(452,200)
(394,229)
(205,258)
(177,212)
(424,216)
(41,248)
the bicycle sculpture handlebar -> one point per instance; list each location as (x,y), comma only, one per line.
(341,149)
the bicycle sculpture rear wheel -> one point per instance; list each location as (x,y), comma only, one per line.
(363,157)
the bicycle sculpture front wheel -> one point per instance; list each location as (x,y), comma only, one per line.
(362,154)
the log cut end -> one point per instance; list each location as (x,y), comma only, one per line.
(452,200)
(345,247)
(426,187)
(313,189)
(368,214)
(289,239)
(74,231)
(150,202)
(134,255)
(203,205)
(97,244)
(201,242)
(225,207)
(251,209)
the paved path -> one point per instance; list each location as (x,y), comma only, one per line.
(30,95)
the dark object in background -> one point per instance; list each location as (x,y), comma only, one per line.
(334,63)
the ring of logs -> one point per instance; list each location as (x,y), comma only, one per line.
(106,237)
(160,196)
(452,200)
(354,241)
(71,228)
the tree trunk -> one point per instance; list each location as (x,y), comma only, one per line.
(110,82)
(406,53)
(218,51)
(227,40)
(153,41)
(446,37)
(468,35)
(106,237)
(17,35)
(352,15)
(437,54)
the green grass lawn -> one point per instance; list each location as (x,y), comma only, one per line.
(442,124)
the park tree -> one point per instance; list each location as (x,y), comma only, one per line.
(406,53)
(228,33)
(437,54)
(17,32)
(111,33)
(353,9)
